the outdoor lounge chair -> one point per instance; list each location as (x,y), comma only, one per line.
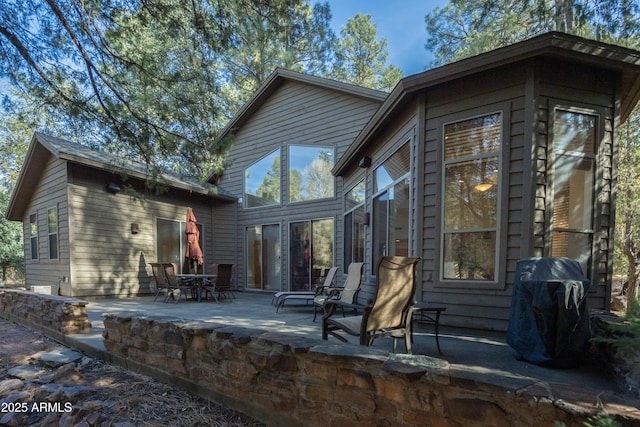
(281,297)
(390,312)
(347,294)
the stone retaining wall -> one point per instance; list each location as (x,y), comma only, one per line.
(54,315)
(290,380)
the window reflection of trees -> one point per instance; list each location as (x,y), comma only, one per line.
(310,175)
(262,181)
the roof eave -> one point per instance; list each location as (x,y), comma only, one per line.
(554,43)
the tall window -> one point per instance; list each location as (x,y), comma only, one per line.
(311,246)
(310,173)
(390,230)
(171,242)
(52,221)
(471,189)
(33,233)
(574,148)
(262,182)
(354,225)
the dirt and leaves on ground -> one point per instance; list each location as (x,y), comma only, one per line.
(88,392)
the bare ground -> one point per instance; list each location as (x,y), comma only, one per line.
(115,397)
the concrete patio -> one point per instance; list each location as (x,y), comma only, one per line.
(485,356)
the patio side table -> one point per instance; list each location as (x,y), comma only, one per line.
(428,313)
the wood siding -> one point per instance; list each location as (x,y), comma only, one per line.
(107,259)
(50,192)
(300,114)
(97,250)
(525,93)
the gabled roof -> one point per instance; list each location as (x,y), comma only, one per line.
(278,77)
(552,44)
(43,146)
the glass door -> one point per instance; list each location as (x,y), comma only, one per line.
(311,252)
(263,257)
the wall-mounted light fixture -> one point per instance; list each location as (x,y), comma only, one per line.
(135,229)
(365,162)
(113,188)
(366,220)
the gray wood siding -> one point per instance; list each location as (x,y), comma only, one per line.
(300,114)
(50,192)
(525,93)
(107,259)
(475,305)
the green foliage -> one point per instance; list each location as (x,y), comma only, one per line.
(626,335)
(361,58)
(601,420)
(464,28)
(11,252)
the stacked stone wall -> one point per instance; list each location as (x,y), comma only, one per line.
(55,315)
(289,380)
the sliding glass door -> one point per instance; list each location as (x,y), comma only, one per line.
(311,252)
(263,257)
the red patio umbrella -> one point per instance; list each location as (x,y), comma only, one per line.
(194,252)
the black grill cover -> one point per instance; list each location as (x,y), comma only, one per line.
(549,322)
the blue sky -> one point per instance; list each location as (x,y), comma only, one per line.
(401,22)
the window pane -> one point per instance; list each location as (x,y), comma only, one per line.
(574,132)
(573,193)
(311,252)
(399,219)
(254,257)
(355,196)
(33,231)
(262,181)
(52,220)
(300,241)
(471,194)
(473,137)
(348,238)
(470,256)
(358,235)
(52,224)
(392,169)
(168,242)
(271,257)
(576,246)
(380,227)
(53,246)
(322,246)
(310,173)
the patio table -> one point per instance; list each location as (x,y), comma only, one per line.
(199,280)
(430,313)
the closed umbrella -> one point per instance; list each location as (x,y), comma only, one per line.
(194,252)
